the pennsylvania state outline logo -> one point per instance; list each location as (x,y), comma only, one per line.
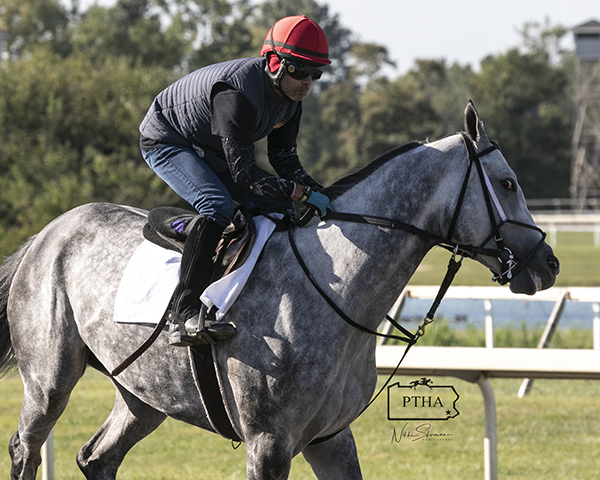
(421,400)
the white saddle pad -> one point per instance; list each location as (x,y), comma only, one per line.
(153,272)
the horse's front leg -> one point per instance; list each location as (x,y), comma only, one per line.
(335,458)
(268,456)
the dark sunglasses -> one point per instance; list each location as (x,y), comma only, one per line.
(301,72)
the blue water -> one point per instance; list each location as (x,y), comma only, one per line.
(514,312)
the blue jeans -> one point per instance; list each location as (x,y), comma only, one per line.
(210,193)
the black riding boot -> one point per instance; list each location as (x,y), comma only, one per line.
(196,275)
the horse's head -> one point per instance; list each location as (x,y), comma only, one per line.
(511,245)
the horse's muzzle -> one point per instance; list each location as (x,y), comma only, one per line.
(540,272)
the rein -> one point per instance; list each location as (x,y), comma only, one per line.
(510,266)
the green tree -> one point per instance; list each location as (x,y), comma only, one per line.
(132,29)
(70,137)
(368,114)
(395,112)
(224,31)
(524,98)
(31,23)
(333,132)
(447,89)
(330,133)
(78,83)
(368,59)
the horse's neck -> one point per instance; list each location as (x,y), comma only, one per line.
(366,267)
(412,187)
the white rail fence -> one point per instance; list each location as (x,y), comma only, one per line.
(552,223)
(477,365)
(558,295)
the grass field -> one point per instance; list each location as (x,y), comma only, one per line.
(553,433)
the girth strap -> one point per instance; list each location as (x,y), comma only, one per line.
(211,392)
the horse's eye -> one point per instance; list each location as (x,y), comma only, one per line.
(509,184)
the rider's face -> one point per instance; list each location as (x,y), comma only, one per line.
(295,89)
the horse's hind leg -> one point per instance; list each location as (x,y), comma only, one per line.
(335,458)
(47,383)
(129,422)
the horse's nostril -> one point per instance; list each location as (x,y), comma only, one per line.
(553,264)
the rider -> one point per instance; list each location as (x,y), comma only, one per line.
(199,134)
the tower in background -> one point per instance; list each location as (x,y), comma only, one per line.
(585,163)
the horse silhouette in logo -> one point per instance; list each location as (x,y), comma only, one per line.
(423,381)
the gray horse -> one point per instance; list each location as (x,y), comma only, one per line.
(294,371)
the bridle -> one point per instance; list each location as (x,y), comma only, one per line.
(510,265)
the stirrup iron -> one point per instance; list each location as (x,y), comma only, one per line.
(212,329)
(197,330)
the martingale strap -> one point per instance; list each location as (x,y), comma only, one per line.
(410,338)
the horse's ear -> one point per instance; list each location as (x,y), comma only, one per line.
(472,121)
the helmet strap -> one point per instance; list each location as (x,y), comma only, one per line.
(277,74)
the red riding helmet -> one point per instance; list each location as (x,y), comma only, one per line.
(298,38)
(295,45)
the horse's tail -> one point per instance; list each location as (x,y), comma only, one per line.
(7,273)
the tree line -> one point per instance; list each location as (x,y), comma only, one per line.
(75,84)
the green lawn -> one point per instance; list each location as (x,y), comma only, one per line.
(553,433)
(550,434)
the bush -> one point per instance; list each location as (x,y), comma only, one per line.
(441,334)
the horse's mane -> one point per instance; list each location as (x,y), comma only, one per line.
(345,183)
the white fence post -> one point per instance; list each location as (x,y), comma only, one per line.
(489,323)
(568,222)
(552,237)
(557,311)
(596,327)
(490,442)
(48,457)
